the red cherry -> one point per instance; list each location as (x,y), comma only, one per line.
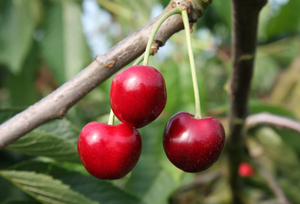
(245,170)
(109,151)
(138,95)
(191,144)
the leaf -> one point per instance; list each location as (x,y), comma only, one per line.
(56,139)
(258,107)
(44,188)
(94,189)
(63,128)
(41,143)
(151,182)
(223,8)
(16,31)
(143,175)
(162,187)
(20,202)
(7,113)
(266,71)
(288,18)
(275,150)
(64,46)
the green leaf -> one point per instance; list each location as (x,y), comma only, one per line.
(263,79)
(258,107)
(56,139)
(282,155)
(151,182)
(22,86)
(143,175)
(7,113)
(41,143)
(16,30)
(290,137)
(223,8)
(64,46)
(20,202)
(160,190)
(94,189)
(44,188)
(288,18)
(63,128)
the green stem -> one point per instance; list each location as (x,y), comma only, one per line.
(176,10)
(111,117)
(192,62)
(139,60)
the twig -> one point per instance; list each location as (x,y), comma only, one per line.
(244,37)
(56,104)
(272,183)
(271,119)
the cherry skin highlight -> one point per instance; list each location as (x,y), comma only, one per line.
(109,151)
(193,145)
(138,95)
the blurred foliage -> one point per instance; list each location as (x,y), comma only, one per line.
(45,43)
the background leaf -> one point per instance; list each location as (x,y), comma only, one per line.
(20,202)
(287,17)
(94,189)
(44,188)
(18,22)
(40,143)
(64,46)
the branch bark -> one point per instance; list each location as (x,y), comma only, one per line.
(56,104)
(244,37)
(271,119)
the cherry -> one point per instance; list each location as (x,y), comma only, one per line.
(245,170)
(138,95)
(109,151)
(192,144)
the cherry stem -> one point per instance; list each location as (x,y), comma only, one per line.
(192,62)
(111,117)
(139,60)
(176,10)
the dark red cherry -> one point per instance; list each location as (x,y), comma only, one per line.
(245,170)
(109,151)
(138,95)
(191,144)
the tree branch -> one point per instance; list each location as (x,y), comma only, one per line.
(56,104)
(272,183)
(244,37)
(265,173)
(271,119)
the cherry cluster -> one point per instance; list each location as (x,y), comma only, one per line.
(138,96)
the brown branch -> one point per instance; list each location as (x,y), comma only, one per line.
(244,37)
(56,104)
(271,119)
